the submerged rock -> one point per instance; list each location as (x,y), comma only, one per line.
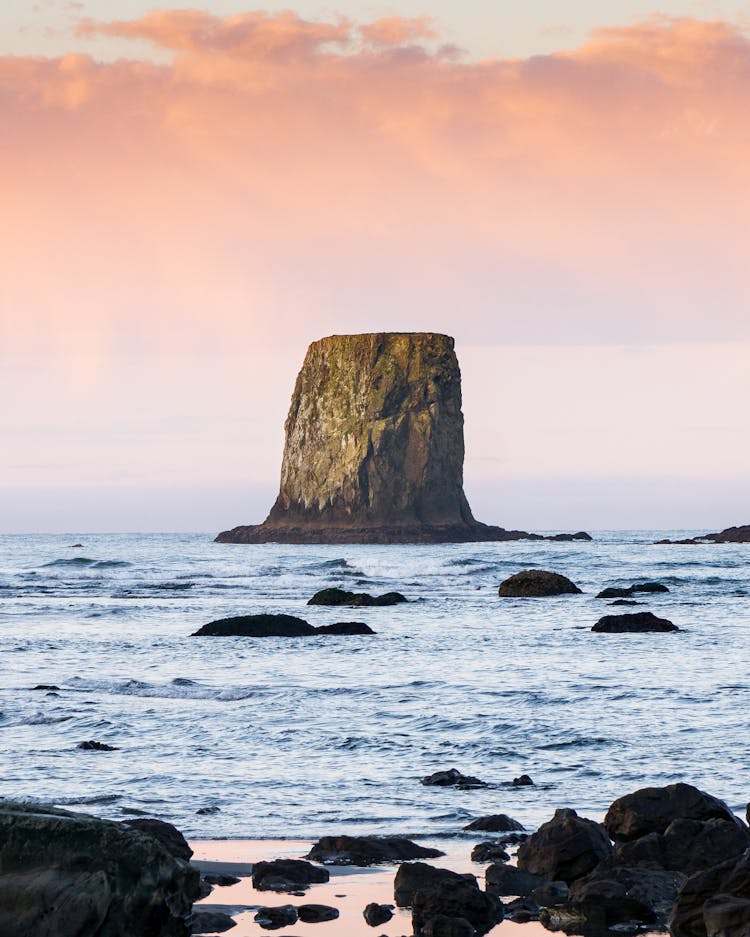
(494,823)
(287,875)
(368,850)
(522,781)
(633,623)
(65,874)
(256,626)
(537,583)
(355,599)
(452,778)
(565,848)
(93,746)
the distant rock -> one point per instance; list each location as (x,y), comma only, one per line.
(376,914)
(45,686)
(613,592)
(452,778)
(633,623)
(489,851)
(412,877)
(629,602)
(537,583)
(566,538)
(355,599)
(522,781)
(287,875)
(728,535)
(565,848)
(368,850)
(494,823)
(93,746)
(345,628)
(169,836)
(256,626)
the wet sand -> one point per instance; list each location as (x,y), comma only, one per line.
(350,889)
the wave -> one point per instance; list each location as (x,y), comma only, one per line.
(179,688)
(74,561)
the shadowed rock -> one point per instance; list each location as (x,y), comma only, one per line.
(374,448)
(287,875)
(633,623)
(715,902)
(376,914)
(565,848)
(615,592)
(412,877)
(256,626)
(169,836)
(345,628)
(368,850)
(536,583)
(494,823)
(460,899)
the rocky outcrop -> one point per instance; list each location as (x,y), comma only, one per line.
(374,448)
(412,877)
(728,535)
(633,623)
(565,848)
(536,583)
(64,874)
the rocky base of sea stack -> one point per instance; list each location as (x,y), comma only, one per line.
(427,533)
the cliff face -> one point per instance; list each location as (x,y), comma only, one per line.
(374,447)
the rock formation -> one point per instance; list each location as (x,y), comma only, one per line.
(374,448)
(729,535)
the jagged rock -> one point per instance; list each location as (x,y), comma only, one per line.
(316,913)
(273,918)
(611,896)
(455,899)
(287,875)
(728,535)
(94,746)
(686,846)
(169,836)
(652,809)
(211,922)
(376,914)
(504,880)
(565,848)
(374,448)
(536,583)
(489,852)
(355,599)
(612,592)
(345,628)
(715,903)
(494,823)
(412,877)
(452,778)
(256,626)
(368,850)
(633,623)
(65,874)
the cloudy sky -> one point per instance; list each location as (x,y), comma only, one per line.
(191,197)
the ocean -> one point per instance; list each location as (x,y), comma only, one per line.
(303,737)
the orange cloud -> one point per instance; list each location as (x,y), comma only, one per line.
(398,30)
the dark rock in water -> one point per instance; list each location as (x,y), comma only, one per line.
(489,852)
(368,850)
(504,880)
(355,599)
(550,894)
(169,836)
(613,592)
(256,626)
(211,922)
(565,848)
(494,823)
(442,926)
(207,811)
(633,623)
(536,583)
(221,880)
(625,602)
(273,918)
(652,809)
(374,448)
(287,875)
(728,535)
(455,899)
(523,781)
(714,903)
(345,628)
(376,914)
(45,686)
(686,846)
(316,913)
(566,538)
(412,877)
(75,546)
(65,874)
(94,746)
(452,778)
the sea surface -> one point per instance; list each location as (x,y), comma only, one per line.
(301,737)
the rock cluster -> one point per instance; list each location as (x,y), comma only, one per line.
(728,535)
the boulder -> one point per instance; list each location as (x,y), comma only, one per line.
(287,875)
(652,809)
(633,623)
(565,848)
(506,880)
(611,896)
(715,902)
(442,926)
(613,592)
(336,597)
(412,877)
(94,746)
(494,823)
(455,899)
(376,914)
(489,852)
(345,628)
(273,918)
(169,836)
(523,781)
(536,583)
(452,778)
(256,626)
(211,922)
(65,875)
(368,850)
(316,913)
(685,846)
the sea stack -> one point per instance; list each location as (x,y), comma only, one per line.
(374,447)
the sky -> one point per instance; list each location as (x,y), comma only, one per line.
(190,197)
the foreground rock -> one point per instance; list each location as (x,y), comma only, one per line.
(66,875)
(436,908)
(653,809)
(287,875)
(169,836)
(494,823)
(728,535)
(504,880)
(715,902)
(452,778)
(565,848)
(613,592)
(276,917)
(211,922)
(355,599)
(256,626)
(377,914)
(368,850)
(374,448)
(537,583)
(633,623)
(412,877)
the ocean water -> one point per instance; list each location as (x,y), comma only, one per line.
(300,737)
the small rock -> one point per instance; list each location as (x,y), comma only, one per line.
(537,583)
(221,880)
(45,686)
(272,918)
(452,778)
(633,623)
(93,746)
(550,894)
(522,910)
(523,781)
(629,602)
(355,599)
(368,850)
(494,823)
(505,880)
(316,913)
(256,626)
(376,914)
(489,852)
(287,875)
(207,811)
(345,628)
(210,922)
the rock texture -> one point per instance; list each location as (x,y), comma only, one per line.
(536,583)
(374,448)
(729,535)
